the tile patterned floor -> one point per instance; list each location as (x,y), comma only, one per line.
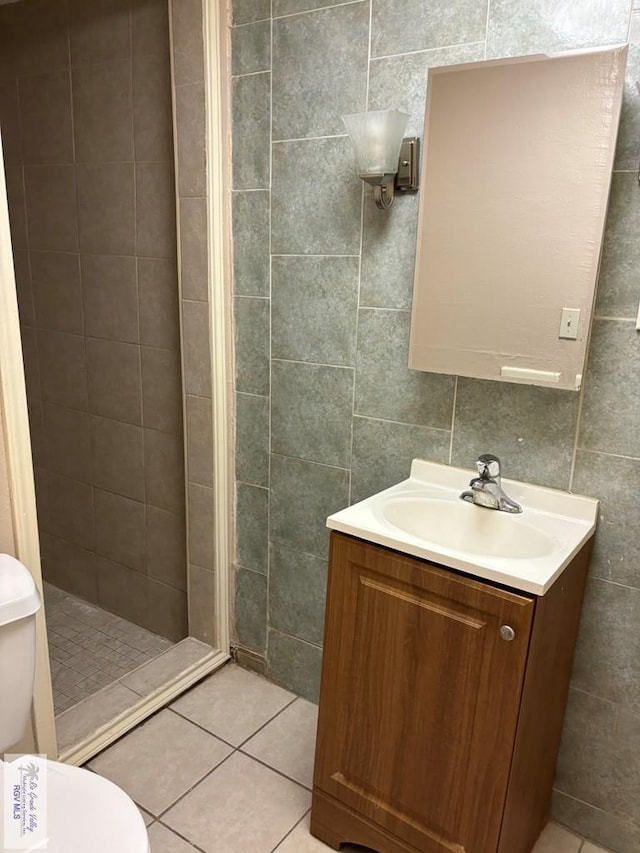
(89,648)
(227,769)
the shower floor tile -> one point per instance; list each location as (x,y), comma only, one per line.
(90,648)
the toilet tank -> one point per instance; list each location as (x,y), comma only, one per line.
(19,602)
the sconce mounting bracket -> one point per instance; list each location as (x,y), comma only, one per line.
(407,176)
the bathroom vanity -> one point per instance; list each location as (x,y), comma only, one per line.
(443,686)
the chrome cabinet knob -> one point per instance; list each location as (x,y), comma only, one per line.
(507,633)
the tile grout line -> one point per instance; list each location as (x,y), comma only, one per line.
(486,31)
(622,586)
(385,308)
(251,74)
(359,289)
(122,254)
(143,441)
(182,796)
(264,725)
(287,834)
(576,438)
(300,640)
(273,769)
(234,750)
(238,563)
(384,56)
(453,418)
(177,834)
(270,348)
(99,163)
(310,138)
(318,9)
(313,363)
(295,551)
(249,190)
(249,296)
(249,23)
(54,331)
(310,254)
(91,414)
(228,743)
(310,462)
(606,453)
(251,394)
(160,818)
(614,319)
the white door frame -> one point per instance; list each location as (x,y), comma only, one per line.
(217,82)
(13,399)
(13,410)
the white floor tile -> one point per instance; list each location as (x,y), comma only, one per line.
(242,807)
(233,703)
(288,742)
(557,839)
(301,841)
(160,760)
(164,841)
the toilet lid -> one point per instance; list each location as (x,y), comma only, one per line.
(86,812)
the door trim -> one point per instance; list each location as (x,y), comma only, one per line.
(217,76)
(140,710)
(14,413)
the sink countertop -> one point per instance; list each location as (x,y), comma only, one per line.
(562,520)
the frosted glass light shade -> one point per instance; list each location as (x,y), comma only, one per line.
(376,137)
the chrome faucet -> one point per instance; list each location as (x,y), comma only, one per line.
(486,489)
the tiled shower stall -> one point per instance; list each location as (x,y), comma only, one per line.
(102,109)
(89,156)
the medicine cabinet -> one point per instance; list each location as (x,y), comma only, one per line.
(516,171)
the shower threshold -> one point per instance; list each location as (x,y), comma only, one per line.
(144,673)
(95,722)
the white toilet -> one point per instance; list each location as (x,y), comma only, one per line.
(85,812)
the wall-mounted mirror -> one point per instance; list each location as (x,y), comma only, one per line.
(516,170)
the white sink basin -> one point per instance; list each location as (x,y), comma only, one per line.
(461,527)
(424,516)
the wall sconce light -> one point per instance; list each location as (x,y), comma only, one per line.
(383,158)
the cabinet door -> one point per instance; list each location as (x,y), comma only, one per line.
(420,697)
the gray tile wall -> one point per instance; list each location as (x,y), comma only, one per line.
(327,410)
(85,107)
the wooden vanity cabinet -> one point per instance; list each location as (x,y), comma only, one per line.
(441,706)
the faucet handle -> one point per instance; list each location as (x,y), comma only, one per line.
(488,466)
